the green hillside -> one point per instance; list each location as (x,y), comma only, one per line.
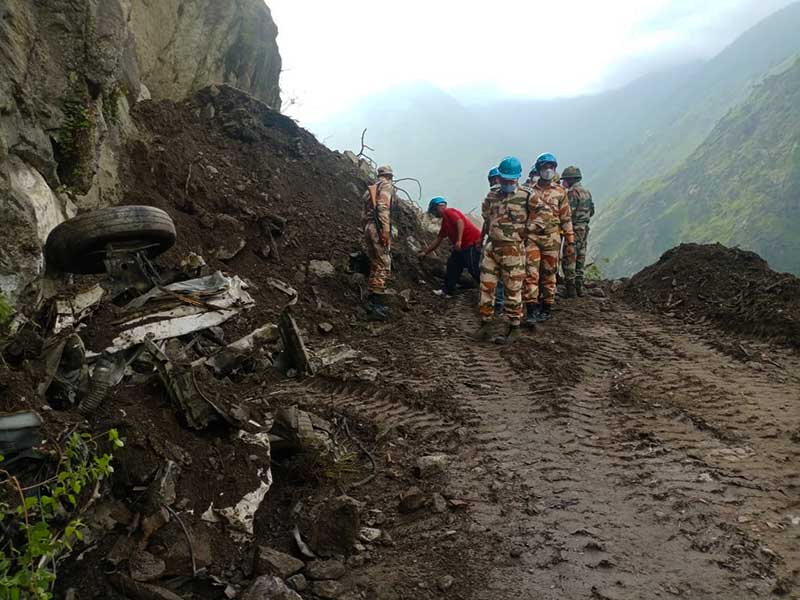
(682,118)
(740,187)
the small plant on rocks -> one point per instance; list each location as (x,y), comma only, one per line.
(41,521)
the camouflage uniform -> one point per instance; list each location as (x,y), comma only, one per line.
(549,215)
(375,220)
(582,206)
(503,256)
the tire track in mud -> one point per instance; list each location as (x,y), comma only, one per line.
(658,468)
(614,499)
(371,403)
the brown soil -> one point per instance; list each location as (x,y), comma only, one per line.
(734,289)
(610,454)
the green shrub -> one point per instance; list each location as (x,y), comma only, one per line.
(39,521)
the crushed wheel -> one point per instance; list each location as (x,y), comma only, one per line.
(78,245)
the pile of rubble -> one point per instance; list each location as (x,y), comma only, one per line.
(261,283)
(732,288)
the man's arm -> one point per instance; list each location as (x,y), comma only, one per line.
(565,217)
(432,247)
(459,234)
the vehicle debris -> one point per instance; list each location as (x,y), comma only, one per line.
(19,432)
(232,357)
(241,515)
(68,312)
(293,343)
(182,308)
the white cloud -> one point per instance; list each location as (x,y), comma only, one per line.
(337,52)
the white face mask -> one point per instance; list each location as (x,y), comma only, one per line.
(547,174)
(508,188)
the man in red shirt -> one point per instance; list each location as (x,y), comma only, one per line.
(466,240)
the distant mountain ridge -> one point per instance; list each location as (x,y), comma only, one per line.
(740,187)
(620,138)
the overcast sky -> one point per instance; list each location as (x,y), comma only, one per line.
(337,52)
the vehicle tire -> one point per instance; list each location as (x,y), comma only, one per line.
(78,245)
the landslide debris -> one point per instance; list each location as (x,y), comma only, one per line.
(732,288)
(255,194)
(257,198)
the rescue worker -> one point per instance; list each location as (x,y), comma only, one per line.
(494,177)
(503,258)
(376,221)
(500,298)
(549,214)
(582,207)
(466,241)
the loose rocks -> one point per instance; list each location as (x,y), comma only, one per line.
(270,588)
(411,500)
(325,569)
(328,590)
(336,527)
(321,268)
(272,562)
(430,466)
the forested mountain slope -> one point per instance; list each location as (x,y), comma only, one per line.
(740,187)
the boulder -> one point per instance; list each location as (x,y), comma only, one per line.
(271,562)
(146,567)
(268,587)
(298,583)
(321,268)
(336,527)
(325,569)
(411,500)
(327,590)
(430,466)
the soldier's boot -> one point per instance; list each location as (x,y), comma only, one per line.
(531,314)
(513,334)
(376,310)
(484,331)
(545,312)
(579,288)
(572,289)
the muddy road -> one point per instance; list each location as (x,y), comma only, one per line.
(613,454)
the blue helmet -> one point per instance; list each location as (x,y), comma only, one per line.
(435,202)
(545,158)
(510,168)
(495,172)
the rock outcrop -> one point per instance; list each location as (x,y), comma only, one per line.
(184,45)
(69,72)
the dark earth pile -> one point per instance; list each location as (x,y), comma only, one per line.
(734,289)
(231,172)
(258,197)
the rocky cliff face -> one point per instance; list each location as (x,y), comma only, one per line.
(69,72)
(183,45)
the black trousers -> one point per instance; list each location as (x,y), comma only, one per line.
(467,258)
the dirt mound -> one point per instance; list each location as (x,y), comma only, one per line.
(259,198)
(257,195)
(734,289)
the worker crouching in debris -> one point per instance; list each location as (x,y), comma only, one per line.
(503,257)
(377,224)
(466,241)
